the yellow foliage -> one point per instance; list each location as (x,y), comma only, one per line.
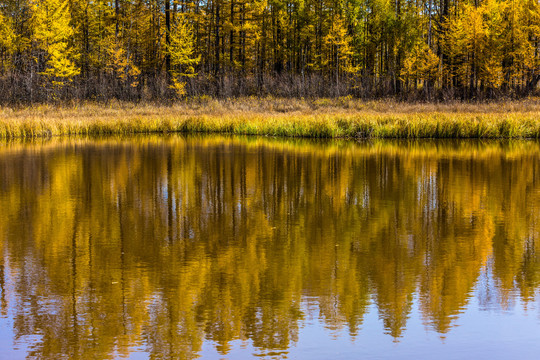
(52,32)
(522,25)
(182,53)
(482,44)
(339,42)
(466,36)
(492,72)
(421,64)
(6,33)
(178,86)
(59,65)
(119,63)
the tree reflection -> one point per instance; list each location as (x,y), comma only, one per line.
(108,245)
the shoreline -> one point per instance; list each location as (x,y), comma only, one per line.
(322,118)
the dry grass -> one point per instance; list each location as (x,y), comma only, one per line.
(334,118)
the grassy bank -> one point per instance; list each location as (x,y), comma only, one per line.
(329,118)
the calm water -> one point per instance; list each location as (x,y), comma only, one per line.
(236,248)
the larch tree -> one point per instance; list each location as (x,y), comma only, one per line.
(181,51)
(53,34)
(339,49)
(6,41)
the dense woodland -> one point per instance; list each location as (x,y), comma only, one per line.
(53,50)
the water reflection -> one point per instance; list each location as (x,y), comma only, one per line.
(159,245)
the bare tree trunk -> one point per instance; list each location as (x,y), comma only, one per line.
(167,36)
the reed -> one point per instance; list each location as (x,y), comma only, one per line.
(322,118)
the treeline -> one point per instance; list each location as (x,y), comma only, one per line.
(161,49)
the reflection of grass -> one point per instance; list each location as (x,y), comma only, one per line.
(337,118)
(426,149)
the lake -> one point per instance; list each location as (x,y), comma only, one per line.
(178,247)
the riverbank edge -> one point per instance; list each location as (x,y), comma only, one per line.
(253,119)
(455,126)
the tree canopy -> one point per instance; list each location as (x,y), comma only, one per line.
(137,49)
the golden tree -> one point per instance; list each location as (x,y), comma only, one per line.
(420,64)
(181,50)
(6,40)
(52,33)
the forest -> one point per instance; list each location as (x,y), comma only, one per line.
(147,50)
